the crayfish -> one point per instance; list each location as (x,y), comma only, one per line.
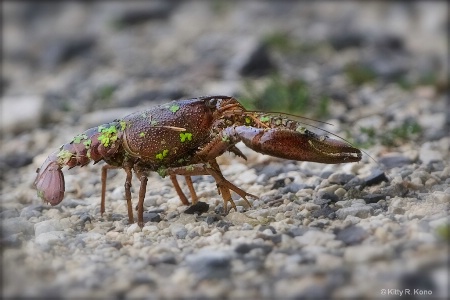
(185,137)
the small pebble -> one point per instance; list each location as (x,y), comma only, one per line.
(340,178)
(16,225)
(47,226)
(340,192)
(178,231)
(210,264)
(362,211)
(311,206)
(133,228)
(376,177)
(352,235)
(48,238)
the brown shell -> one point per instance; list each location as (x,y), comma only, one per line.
(167,133)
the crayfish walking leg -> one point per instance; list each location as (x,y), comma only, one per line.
(212,168)
(128,170)
(225,186)
(180,193)
(142,190)
(105,169)
(177,187)
(191,189)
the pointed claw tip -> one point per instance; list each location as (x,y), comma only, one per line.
(335,151)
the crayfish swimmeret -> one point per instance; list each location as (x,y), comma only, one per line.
(184,138)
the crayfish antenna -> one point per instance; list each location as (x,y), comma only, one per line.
(50,181)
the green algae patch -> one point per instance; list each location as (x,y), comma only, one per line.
(162,154)
(301,129)
(185,136)
(162,171)
(64,156)
(87,143)
(142,134)
(123,125)
(77,139)
(40,194)
(264,119)
(174,108)
(108,135)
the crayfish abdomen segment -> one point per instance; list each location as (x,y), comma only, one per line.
(98,143)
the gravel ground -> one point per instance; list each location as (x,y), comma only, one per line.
(374,229)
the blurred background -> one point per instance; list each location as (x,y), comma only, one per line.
(62,61)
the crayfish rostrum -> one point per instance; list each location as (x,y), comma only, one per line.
(184,137)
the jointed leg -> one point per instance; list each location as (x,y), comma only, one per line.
(128,194)
(105,169)
(191,189)
(178,189)
(212,168)
(225,186)
(142,190)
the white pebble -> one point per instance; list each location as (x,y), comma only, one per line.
(47,226)
(150,228)
(133,229)
(48,238)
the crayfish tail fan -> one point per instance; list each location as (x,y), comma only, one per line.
(50,181)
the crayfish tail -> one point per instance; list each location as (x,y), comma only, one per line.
(50,181)
(95,144)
